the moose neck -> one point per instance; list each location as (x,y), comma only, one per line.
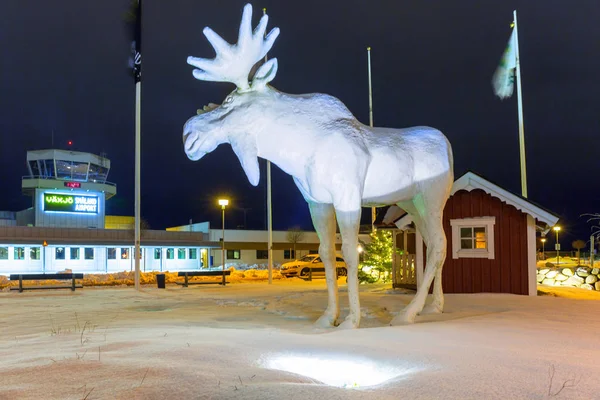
(287,131)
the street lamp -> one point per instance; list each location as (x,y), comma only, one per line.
(557,245)
(543,240)
(360,250)
(223,203)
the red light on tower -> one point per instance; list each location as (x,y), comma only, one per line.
(69,142)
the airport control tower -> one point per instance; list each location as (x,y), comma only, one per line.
(68,188)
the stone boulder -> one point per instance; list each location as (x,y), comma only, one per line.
(597,285)
(591,279)
(549,265)
(540,278)
(567,271)
(561,277)
(543,271)
(582,273)
(551,274)
(574,281)
(595,271)
(586,286)
(548,281)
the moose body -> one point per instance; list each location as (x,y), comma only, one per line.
(338,163)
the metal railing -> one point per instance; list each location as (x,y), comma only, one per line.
(67,180)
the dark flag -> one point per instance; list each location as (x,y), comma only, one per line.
(134,22)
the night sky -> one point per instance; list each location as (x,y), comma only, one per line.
(64,69)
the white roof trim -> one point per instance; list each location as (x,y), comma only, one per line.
(471,181)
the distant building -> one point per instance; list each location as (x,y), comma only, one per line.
(67,228)
(250,246)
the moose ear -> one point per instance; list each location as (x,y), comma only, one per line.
(265,74)
(244,148)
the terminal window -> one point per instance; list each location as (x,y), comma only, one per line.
(233,254)
(19,253)
(74,253)
(157,254)
(262,254)
(124,254)
(59,253)
(193,254)
(34,253)
(88,253)
(170,254)
(3,253)
(181,254)
(111,253)
(289,254)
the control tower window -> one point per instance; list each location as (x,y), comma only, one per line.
(97,173)
(71,170)
(35,168)
(47,168)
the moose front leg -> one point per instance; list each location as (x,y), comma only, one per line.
(323,218)
(349,222)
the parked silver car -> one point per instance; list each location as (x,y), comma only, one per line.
(311,262)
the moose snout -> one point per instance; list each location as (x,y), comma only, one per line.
(190,139)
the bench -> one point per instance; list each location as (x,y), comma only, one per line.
(42,277)
(187,274)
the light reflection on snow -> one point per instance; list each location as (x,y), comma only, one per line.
(344,372)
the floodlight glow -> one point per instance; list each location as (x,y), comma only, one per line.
(556,228)
(337,371)
(223,202)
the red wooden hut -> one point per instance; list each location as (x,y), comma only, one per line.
(491,236)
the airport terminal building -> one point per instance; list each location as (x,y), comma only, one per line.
(67,228)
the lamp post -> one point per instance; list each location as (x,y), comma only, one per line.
(543,240)
(557,245)
(223,203)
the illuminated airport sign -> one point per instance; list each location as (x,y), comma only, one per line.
(70,203)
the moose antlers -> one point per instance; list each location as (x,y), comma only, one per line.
(234,62)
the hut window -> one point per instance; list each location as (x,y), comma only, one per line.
(473,237)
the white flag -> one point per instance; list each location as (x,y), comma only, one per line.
(504,77)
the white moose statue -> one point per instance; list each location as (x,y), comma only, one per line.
(337,163)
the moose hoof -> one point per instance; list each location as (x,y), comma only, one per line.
(325,321)
(431,309)
(349,323)
(404,318)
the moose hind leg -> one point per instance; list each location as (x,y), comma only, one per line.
(437,305)
(430,226)
(323,218)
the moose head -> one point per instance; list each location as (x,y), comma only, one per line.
(233,120)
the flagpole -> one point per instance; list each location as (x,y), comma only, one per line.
(138,96)
(373,211)
(520,105)
(269,211)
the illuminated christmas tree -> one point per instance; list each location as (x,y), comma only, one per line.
(377,259)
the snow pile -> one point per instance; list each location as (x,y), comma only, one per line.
(580,277)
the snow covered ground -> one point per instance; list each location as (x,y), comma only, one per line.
(239,341)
